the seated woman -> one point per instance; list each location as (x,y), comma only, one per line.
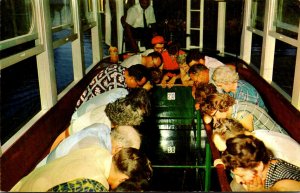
(93,163)
(251,116)
(227,80)
(255,168)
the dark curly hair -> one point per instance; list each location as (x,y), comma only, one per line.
(217,101)
(133,163)
(245,151)
(203,90)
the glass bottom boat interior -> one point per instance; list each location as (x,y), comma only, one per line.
(173,140)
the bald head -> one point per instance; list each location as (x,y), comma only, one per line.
(124,137)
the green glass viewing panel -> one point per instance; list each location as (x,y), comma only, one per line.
(173,105)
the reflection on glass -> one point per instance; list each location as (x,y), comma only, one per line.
(86,12)
(195,4)
(256,50)
(287,17)
(257,14)
(210,25)
(87,46)
(284,66)
(60,12)
(20,96)
(63,66)
(16,16)
(233,27)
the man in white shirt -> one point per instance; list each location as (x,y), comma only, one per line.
(141,20)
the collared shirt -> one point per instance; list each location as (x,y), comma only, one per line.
(146,52)
(261,119)
(212,63)
(132,60)
(99,100)
(108,78)
(135,16)
(96,134)
(96,115)
(92,163)
(246,92)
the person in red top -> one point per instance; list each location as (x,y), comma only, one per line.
(172,58)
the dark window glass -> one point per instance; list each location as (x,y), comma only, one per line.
(20,97)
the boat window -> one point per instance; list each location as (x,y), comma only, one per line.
(63,66)
(87,48)
(284,66)
(287,16)
(210,25)
(257,14)
(20,96)
(233,27)
(256,50)
(60,12)
(86,12)
(17,18)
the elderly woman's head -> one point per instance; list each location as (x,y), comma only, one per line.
(122,113)
(226,78)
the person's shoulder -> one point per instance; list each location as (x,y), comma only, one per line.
(286,185)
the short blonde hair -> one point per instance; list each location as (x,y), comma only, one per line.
(225,74)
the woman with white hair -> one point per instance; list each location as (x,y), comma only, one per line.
(227,80)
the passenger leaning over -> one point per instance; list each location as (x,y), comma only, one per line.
(199,74)
(114,76)
(202,91)
(227,80)
(93,165)
(279,143)
(195,57)
(152,60)
(173,56)
(251,116)
(96,134)
(128,110)
(255,168)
